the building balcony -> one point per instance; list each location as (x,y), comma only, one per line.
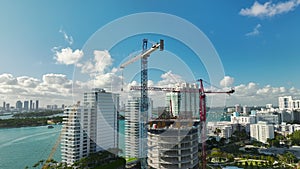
(167,166)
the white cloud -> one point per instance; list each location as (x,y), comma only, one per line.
(108,81)
(87,67)
(8,79)
(58,89)
(101,62)
(253,94)
(68,39)
(49,89)
(68,56)
(169,79)
(269,9)
(51,78)
(227,81)
(255,31)
(28,81)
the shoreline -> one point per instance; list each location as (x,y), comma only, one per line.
(28,122)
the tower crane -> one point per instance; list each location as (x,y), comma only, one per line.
(144,93)
(202,110)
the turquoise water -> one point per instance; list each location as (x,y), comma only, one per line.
(217,114)
(21,147)
(122,137)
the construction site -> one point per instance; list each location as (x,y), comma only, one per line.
(175,139)
(171,140)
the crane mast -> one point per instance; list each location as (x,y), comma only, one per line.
(202,111)
(144,93)
(144,104)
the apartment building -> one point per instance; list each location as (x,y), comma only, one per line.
(91,127)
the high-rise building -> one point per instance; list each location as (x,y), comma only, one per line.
(7,106)
(36,104)
(19,105)
(26,105)
(284,102)
(133,126)
(74,141)
(261,131)
(288,103)
(135,141)
(94,126)
(173,144)
(246,110)
(30,105)
(3,107)
(184,101)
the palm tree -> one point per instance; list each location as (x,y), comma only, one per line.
(289,157)
(217,131)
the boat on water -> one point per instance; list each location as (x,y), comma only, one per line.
(50,127)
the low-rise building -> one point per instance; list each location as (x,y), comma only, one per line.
(244,121)
(261,131)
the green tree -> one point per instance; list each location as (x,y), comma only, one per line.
(217,131)
(229,157)
(295,137)
(289,157)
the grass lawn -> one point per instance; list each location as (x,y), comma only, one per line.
(114,164)
(131,159)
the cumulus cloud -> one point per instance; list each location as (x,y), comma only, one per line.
(55,79)
(269,9)
(47,89)
(255,31)
(8,79)
(254,94)
(108,81)
(101,62)
(227,81)
(28,81)
(68,56)
(169,78)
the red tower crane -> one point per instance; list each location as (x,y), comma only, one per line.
(202,110)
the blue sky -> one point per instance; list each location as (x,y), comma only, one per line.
(257,43)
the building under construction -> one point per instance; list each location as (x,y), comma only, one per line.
(173,144)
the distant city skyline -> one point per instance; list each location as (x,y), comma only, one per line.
(257,44)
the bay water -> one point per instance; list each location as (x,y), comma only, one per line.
(21,147)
